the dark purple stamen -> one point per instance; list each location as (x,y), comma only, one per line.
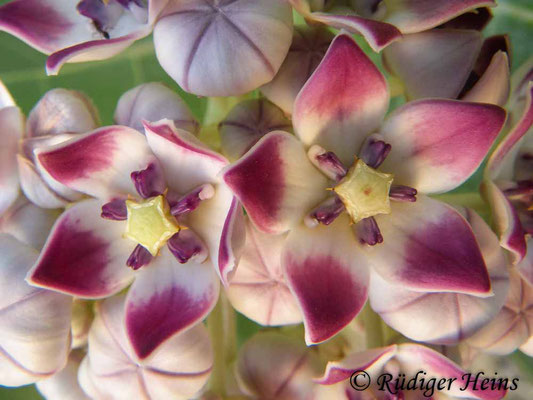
(104,16)
(115,210)
(520,189)
(139,257)
(402,193)
(326,212)
(327,162)
(368,231)
(186,245)
(126,3)
(149,182)
(374,151)
(192,200)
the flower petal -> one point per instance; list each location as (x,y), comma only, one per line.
(344,100)
(35,334)
(438,144)
(309,44)
(276,182)
(411,16)
(460,315)
(429,247)
(98,163)
(248,122)
(152,102)
(11,131)
(85,255)
(168,295)
(328,274)
(525,267)
(417,60)
(250,40)
(259,289)
(6,100)
(506,221)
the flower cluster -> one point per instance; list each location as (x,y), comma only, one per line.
(362,190)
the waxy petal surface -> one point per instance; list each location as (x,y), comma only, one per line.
(328,274)
(98,163)
(85,255)
(169,296)
(6,100)
(35,334)
(429,247)
(11,131)
(259,289)
(344,100)
(276,182)
(438,144)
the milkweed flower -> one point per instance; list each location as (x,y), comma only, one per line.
(369,218)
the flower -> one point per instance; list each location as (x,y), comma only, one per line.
(430,146)
(158,215)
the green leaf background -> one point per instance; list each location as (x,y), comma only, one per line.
(22,71)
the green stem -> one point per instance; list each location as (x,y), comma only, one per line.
(221,324)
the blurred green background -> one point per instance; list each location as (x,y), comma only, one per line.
(22,71)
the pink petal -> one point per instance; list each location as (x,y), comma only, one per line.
(506,221)
(344,100)
(98,163)
(411,16)
(248,122)
(6,100)
(417,60)
(501,161)
(11,131)
(438,144)
(415,357)
(493,87)
(153,102)
(250,40)
(328,274)
(460,315)
(85,255)
(35,334)
(167,298)
(259,289)
(276,182)
(372,361)
(309,44)
(429,247)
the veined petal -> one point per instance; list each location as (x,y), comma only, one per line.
(429,247)
(85,255)
(411,16)
(417,60)
(372,361)
(167,298)
(438,144)
(415,357)
(501,161)
(259,289)
(506,221)
(35,334)
(249,38)
(328,274)
(460,315)
(152,102)
(11,131)
(186,162)
(276,182)
(344,100)
(98,163)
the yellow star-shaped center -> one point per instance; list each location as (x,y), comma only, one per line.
(364,191)
(150,223)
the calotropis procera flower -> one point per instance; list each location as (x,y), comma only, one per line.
(404,363)
(429,146)
(178,369)
(35,336)
(159,216)
(382,22)
(153,102)
(249,38)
